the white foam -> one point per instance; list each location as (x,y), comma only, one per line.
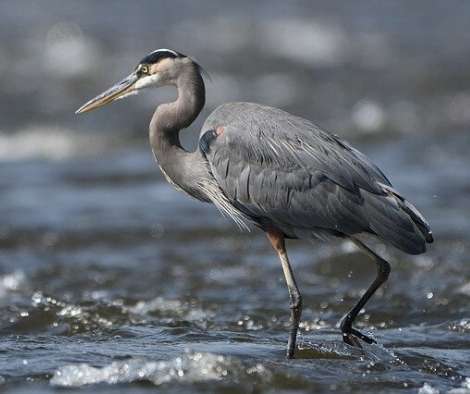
(68,53)
(307,41)
(464,289)
(183,310)
(191,367)
(428,389)
(462,325)
(11,282)
(464,389)
(157,304)
(71,312)
(48,143)
(369,116)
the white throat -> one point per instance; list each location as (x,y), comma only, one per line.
(147,81)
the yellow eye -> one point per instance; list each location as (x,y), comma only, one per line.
(144,69)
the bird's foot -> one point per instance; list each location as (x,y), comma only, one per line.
(290,354)
(352,336)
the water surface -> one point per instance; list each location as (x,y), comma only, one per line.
(111,281)
(111,277)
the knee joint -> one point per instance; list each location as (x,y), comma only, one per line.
(384,268)
(296,300)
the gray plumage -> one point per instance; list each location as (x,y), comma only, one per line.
(265,167)
(281,170)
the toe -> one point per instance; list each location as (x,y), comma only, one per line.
(351,340)
(365,338)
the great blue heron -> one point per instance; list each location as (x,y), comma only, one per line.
(265,167)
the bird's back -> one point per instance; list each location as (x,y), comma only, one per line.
(283,171)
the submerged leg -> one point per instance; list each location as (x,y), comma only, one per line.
(350,334)
(277,241)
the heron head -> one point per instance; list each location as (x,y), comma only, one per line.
(159,68)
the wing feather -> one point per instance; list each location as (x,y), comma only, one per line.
(281,169)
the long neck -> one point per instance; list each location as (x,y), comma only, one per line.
(170,118)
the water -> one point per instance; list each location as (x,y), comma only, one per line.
(111,281)
(111,277)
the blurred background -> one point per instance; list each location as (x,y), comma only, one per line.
(103,263)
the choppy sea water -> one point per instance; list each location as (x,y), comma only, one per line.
(111,281)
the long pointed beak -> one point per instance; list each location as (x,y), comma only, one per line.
(125,87)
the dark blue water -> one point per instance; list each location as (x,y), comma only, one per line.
(111,281)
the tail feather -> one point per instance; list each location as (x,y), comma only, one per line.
(415,215)
(417,218)
(397,221)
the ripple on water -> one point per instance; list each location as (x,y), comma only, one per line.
(161,306)
(78,318)
(188,368)
(462,325)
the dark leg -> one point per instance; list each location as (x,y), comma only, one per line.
(350,334)
(277,241)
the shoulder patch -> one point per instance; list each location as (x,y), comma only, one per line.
(206,139)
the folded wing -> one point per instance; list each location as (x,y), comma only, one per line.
(283,171)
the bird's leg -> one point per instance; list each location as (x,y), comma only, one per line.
(277,241)
(350,334)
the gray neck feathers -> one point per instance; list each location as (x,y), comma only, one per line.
(179,166)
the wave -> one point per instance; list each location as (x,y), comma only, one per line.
(191,367)
(51,143)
